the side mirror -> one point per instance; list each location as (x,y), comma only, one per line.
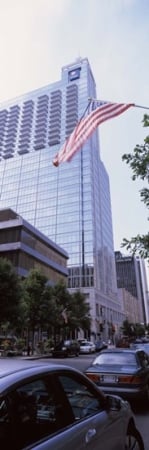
(113,403)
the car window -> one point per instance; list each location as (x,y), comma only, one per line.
(67,343)
(31,412)
(81,399)
(116,358)
(144,359)
(4,422)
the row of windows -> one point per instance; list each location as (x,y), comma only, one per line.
(74,260)
(12,235)
(15,235)
(27,262)
(76,282)
(24,191)
(31,173)
(42,248)
(30,194)
(33,160)
(42,108)
(65,213)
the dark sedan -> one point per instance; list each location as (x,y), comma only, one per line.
(66,348)
(123,372)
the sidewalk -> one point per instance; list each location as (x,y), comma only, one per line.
(36,356)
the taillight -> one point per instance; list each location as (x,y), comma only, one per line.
(125,379)
(137,380)
(130,379)
(93,376)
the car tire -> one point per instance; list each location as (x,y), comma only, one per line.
(133,439)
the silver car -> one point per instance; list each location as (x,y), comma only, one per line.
(87,347)
(54,407)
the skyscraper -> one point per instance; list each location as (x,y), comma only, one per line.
(131,275)
(71,203)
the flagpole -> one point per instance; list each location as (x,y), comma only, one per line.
(106,101)
(140,106)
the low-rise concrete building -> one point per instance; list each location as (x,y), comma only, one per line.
(27,248)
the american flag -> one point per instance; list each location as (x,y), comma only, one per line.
(86,127)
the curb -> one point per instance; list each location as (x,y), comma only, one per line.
(34,357)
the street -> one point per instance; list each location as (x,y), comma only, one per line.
(81,363)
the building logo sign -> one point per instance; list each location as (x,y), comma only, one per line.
(74,74)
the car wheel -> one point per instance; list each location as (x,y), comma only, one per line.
(133,440)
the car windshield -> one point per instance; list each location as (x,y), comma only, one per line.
(116,358)
(83,344)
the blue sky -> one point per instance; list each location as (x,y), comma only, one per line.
(38,37)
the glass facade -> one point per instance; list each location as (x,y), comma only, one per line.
(70,204)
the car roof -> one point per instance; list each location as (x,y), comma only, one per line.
(120,350)
(15,371)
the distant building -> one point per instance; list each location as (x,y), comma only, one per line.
(130,306)
(27,248)
(131,275)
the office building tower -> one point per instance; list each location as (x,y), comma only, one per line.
(131,275)
(70,204)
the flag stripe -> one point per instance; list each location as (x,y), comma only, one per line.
(81,126)
(87,132)
(86,127)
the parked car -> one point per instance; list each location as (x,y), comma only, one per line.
(87,347)
(123,372)
(54,407)
(66,348)
(100,345)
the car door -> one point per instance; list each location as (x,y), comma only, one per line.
(91,423)
(59,411)
(33,414)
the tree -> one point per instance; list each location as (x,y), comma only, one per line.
(61,301)
(50,311)
(34,286)
(128,328)
(79,315)
(10,293)
(139,163)
(133,330)
(65,312)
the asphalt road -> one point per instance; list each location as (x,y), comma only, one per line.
(140,411)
